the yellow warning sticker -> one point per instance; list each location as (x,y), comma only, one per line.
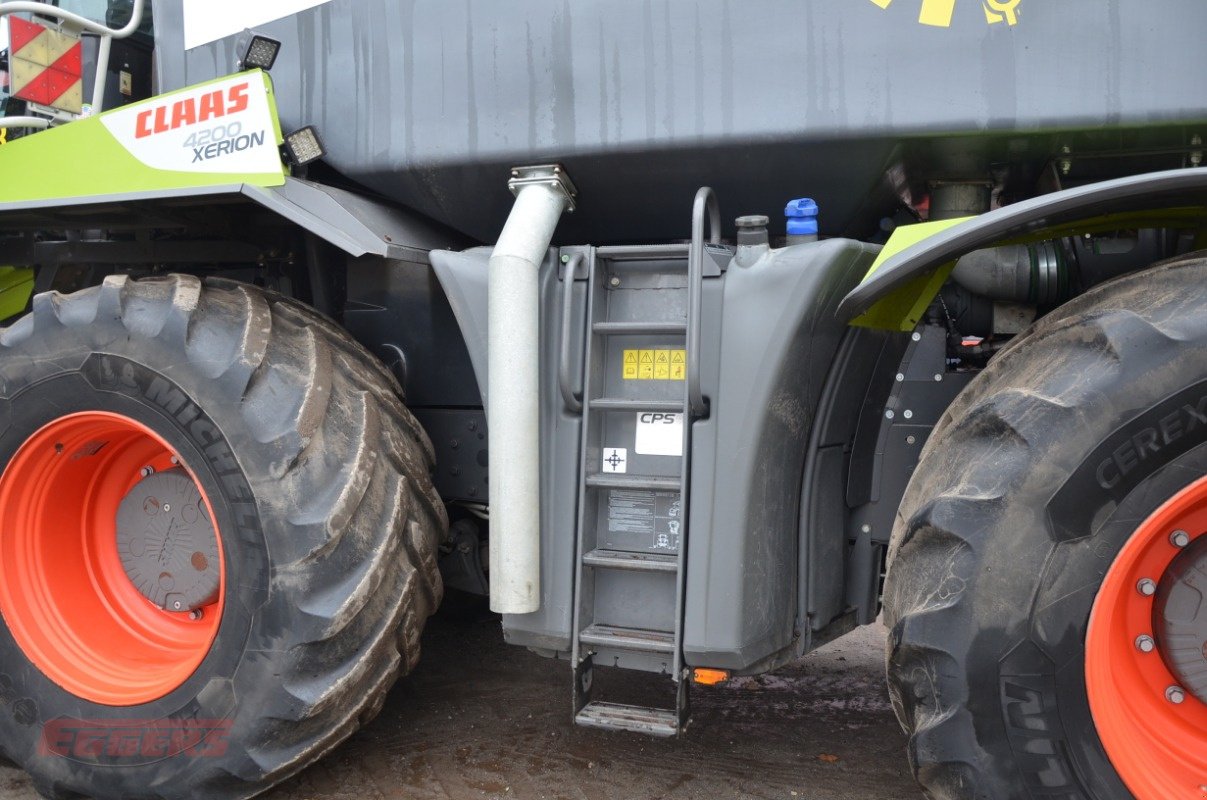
(654,365)
(939,13)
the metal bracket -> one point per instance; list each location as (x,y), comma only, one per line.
(544,175)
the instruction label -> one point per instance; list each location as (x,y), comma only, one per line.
(651,518)
(654,365)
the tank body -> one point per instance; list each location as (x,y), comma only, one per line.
(428,102)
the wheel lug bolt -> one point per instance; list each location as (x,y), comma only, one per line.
(147,470)
(1179,538)
(1146,587)
(196,614)
(1145,643)
(1175,695)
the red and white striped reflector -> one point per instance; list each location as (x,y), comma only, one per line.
(46,66)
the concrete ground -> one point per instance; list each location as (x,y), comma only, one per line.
(479,719)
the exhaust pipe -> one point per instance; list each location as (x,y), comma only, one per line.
(542,194)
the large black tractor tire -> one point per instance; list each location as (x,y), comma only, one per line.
(318,486)
(1020,512)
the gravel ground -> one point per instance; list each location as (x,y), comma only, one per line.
(479,719)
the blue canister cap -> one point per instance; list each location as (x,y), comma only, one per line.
(802,217)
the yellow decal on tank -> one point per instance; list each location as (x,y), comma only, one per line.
(939,13)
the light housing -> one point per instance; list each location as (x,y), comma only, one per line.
(304,146)
(261,53)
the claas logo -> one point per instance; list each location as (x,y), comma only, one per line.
(191,111)
(939,13)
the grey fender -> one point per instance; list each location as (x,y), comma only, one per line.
(1029,218)
(463,276)
(356,224)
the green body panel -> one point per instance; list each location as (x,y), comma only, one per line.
(901,310)
(16,287)
(82,159)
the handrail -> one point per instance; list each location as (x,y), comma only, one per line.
(571,396)
(706,198)
(75,20)
(106,34)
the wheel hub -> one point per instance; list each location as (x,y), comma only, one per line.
(1180,617)
(1146,670)
(81,555)
(166,542)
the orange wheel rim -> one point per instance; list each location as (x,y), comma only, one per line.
(64,593)
(1158,746)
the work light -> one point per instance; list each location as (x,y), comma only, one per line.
(261,53)
(304,146)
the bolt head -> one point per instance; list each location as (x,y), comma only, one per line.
(167,506)
(900,377)
(146,471)
(1146,587)
(1179,538)
(177,605)
(938,377)
(614,281)
(175,459)
(1145,643)
(907,414)
(889,414)
(196,614)
(917,337)
(1175,694)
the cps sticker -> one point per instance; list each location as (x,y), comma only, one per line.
(659,434)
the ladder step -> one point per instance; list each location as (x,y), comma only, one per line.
(634,328)
(609,480)
(637,719)
(636,639)
(628,404)
(637,562)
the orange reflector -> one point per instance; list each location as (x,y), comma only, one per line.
(709,677)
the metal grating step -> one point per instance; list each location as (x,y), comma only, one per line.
(613,481)
(636,639)
(637,562)
(637,719)
(635,328)
(629,404)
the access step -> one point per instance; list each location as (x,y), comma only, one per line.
(630,404)
(637,639)
(641,328)
(609,480)
(637,562)
(637,719)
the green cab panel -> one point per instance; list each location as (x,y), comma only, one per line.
(218,133)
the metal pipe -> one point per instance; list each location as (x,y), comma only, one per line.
(104,46)
(75,20)
(24,122)
(513,380)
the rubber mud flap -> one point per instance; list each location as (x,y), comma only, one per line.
(319,483)
(1031,484)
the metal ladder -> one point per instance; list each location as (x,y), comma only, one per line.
(629,594)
